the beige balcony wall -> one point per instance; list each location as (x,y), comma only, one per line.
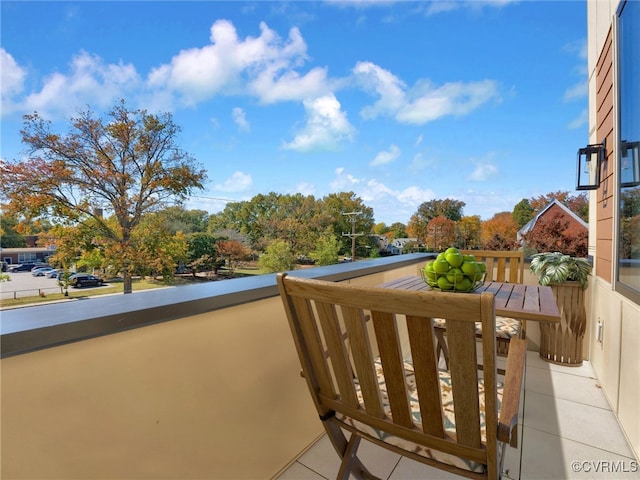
(215,395)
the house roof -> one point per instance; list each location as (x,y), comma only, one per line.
(532,223)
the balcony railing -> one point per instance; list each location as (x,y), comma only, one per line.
(186,382)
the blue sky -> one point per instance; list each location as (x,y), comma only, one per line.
(399,102)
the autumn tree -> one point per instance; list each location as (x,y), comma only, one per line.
(417,227)
(499,232)
(468,231)
(441,233)
(124,165)
(552,234)
(578,204)
(232,251)
(427,211)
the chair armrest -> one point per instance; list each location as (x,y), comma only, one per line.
(514,375)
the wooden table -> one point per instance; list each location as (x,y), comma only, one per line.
(523,302)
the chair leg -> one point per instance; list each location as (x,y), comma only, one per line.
(441,346)
(351,464)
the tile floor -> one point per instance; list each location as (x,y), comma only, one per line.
(566,421)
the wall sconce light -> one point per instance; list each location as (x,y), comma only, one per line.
(629,164)
(589,160)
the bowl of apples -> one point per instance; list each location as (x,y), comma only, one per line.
(452,271)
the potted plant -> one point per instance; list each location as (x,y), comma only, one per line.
(568,277)
(556,268)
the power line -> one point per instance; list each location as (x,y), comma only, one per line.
(228,200)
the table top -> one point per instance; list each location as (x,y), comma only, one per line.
(523,302)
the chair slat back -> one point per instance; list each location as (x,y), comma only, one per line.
(502,266)
(335,365)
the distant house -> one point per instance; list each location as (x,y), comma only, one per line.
(396,247)
(25,254)
(574,227)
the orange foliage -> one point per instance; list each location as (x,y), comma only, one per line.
(499,232)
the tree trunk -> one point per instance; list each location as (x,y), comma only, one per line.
(127,283)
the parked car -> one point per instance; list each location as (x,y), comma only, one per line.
(53,273)
(25,267)
(42,271)
(79,280)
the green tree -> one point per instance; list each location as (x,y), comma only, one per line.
(327,249)
(278,258)
(127,164)
(9,237)
(337,206)
(398,230)
(178,219)
(201,252)
(522,212)
(448,208)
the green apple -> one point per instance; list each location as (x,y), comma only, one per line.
(444,284)
(482,268)
(429,273)
(455,259)
(441,266)
(454,275)
(464,285)
(452,250)
(469,258)
(469,267)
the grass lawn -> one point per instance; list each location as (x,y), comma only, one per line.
(112,287)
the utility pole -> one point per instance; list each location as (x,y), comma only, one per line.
(353,235)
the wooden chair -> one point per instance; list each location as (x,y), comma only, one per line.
(502,266)
(382,382)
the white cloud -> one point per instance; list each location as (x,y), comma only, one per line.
(382,158)
(271,86)
(343,181)
(12,78)
(238,182)
(577,91)
(483,171)
(419,140)
(386,202)
(424,102)
(439,6)
(326,127)
(388,87)
(89,82)
(455,99)
(580,120)
(414,196)
(263,66)
(240,119)
(305,188)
